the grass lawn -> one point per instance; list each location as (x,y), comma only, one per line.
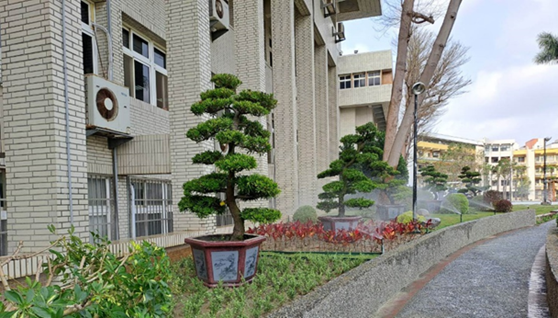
(451,219)
(539,209)
(280,279)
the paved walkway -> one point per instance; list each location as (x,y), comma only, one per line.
(489,280)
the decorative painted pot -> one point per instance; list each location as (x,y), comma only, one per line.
(389,212)
(232,262)
(336,223)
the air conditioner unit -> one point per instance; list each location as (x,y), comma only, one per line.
(108,104)
(218,15)
(339,34)
(329,7)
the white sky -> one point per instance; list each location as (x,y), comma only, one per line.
(511,97)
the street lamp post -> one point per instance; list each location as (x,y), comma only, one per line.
(418,88)
(544,172)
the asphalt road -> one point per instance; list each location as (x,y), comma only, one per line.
(490,280)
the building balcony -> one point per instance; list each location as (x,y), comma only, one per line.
(364,96)
(358,9)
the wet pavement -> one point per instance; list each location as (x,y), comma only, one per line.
(488,280)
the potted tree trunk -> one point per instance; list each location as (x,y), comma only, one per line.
(436,182)
(231,259)
(363,149)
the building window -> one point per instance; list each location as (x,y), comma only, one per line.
(520,159)
(152,207)
(89,47)
(504,148)
(145,69)
(345,81)
(494,159)
(101,204)
(486,148)
(360,80)
(374,78)
(436,154)
(495,148)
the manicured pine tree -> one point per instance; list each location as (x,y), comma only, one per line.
(361,150)
(232,125)
(470,179)
(435,180)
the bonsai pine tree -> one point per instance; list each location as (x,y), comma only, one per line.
(231,124)
(435,180)
(363,149)
(470,179)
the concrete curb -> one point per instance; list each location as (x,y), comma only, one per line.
(552,271)
(363,290)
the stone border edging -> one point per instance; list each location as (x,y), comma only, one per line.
(363,290)
(551,271)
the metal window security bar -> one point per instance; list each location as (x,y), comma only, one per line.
(101,205)
(3,216)
(152,209)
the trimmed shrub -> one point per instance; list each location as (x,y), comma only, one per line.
(503,206)
(305,213)
(407,217)
(491,197)
(455,202)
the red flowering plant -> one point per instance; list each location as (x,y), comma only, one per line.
(368,237)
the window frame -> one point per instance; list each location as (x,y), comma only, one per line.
(373,75)
(344,79)
(87,29)
(147,61)
(361,78)
(144,207)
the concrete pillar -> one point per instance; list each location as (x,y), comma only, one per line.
(306,107)
(322,108)
(34,118)
(333,113)
(250,59)
(189,65)
(286,158)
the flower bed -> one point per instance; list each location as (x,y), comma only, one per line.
(368,237)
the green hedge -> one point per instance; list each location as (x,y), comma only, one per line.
(305,213)
(455,202)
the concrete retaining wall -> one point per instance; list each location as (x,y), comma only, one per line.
(551,271)
(363,290)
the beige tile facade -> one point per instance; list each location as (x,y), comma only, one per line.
(284,47)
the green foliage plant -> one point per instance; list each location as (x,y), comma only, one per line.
(457,201)
(94,282)
(503,206)
(232,124)
(305,213)
(470,179)
(361,150)
(435,181)
(407,218)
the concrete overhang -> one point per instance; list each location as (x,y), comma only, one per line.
(358,9)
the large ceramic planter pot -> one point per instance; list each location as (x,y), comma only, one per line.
(389,212)
(336,223)
(232,262)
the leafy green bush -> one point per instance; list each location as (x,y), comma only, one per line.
(503,206)
(305,213)
(455,202)
(407,217)
(233,124)
(93,282)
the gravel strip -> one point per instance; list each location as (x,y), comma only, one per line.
(491,280)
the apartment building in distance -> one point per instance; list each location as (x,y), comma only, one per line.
(529,163)
(494,152)
(365,82)
(95,103)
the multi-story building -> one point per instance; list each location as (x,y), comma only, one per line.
(365,81)
(433,149)
(95,99)
(529,165)
(500,175)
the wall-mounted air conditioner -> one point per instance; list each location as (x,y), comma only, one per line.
(108,104)
(329,7)
(339,34)
(218,15)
